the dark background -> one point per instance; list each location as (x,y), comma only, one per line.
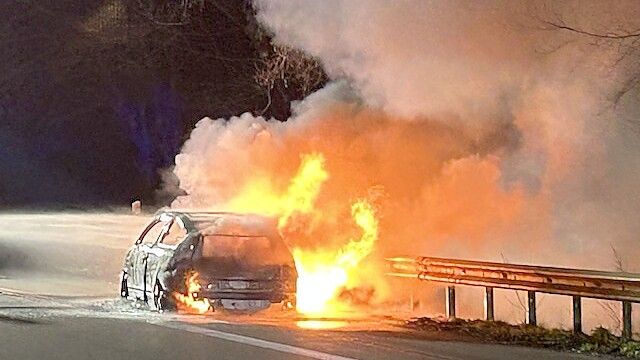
(96,97)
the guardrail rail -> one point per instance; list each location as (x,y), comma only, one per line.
(577,283)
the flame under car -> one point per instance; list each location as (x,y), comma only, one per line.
(197,260)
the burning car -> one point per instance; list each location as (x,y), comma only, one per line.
(200,260)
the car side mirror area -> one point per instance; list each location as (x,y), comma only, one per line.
(196,247)
(184,252)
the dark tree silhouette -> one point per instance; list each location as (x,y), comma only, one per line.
(102,93)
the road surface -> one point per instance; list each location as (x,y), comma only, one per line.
(54,327)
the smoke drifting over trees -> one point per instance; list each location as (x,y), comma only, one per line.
(536,100)
(487,127)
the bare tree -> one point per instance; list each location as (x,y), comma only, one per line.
(624,40)
(522,303)
(611,308)
(288,66)
(168,12)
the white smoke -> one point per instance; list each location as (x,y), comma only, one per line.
(492,135)
(487,64)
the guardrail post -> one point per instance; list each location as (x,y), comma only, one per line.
(577,314)
(626,320)
(451,302)
(531,308)
(488,304)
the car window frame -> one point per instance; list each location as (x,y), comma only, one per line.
(146,231)
(159,241)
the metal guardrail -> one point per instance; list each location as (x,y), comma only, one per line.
(616,286)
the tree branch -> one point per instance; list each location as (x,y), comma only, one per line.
(611,36)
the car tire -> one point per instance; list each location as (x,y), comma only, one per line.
(161,299)
(124,287)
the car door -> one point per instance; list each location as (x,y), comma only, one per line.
(145,241)
(157,254)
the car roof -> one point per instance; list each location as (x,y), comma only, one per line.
(200,220)
(208,215)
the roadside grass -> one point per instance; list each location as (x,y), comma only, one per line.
(600,341)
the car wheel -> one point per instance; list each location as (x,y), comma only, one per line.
(124,287)
(161,299)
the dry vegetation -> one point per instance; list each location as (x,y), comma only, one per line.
(600,341)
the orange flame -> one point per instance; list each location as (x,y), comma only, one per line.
(259,196)
(190,301)
(321,274)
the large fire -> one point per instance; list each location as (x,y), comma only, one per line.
(322,274)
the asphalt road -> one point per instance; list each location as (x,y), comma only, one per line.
(45,327)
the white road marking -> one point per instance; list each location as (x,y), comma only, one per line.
(254,342)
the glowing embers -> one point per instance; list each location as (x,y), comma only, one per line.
(190,302)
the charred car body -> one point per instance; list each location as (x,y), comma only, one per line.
(240,259)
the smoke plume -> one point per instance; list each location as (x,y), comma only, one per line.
(480,132)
